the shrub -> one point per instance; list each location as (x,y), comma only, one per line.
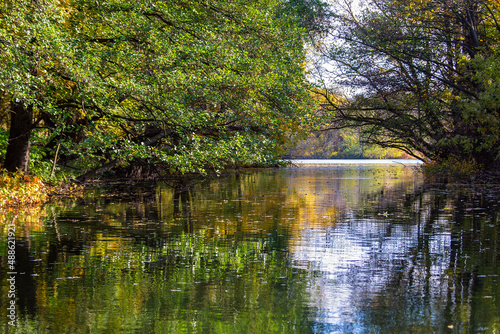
(20,189)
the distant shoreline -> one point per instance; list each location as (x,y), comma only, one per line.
(412,162)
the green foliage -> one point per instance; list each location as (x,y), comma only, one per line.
(313,15)
(483,112)
(192,86)
(423,77)
(39,165)
(4,136)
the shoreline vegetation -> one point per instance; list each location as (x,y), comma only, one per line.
(26,190)
(19,189)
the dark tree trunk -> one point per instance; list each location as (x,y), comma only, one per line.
(18,147)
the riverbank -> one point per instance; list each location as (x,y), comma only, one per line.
(333,162)
(19,189)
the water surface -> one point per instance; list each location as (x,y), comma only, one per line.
(317,249)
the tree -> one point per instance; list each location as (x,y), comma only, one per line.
(30,39)
(190,85)
(18,150)
(422,76)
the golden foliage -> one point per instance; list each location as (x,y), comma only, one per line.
(20,189)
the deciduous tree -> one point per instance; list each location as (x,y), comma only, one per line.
(190,85)
(422,76)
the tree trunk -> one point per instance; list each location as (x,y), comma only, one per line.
(18,147)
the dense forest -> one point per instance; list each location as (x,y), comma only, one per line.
(199,86)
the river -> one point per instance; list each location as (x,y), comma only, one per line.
(314,248)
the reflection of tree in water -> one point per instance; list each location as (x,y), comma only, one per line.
(286,246)
(405,249)
(189,268)
(182,203)
(439,277)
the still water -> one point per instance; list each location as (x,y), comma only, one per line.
(311,249)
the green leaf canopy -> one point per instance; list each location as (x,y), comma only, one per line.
(192,85)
